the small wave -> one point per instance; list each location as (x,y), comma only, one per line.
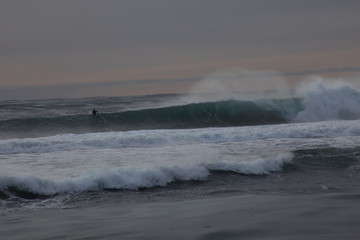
(133,179)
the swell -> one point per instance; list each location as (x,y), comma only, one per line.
(197,115)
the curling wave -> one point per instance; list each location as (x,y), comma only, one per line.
(196,115)
(320,101)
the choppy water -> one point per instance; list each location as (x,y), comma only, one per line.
(54,153)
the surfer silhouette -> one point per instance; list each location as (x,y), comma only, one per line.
(94,112)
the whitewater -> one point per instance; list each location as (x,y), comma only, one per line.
(53,153)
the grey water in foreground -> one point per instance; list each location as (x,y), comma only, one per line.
(330,216)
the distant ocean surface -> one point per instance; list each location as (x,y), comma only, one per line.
(54,153)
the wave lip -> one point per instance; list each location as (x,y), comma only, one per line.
(325,101)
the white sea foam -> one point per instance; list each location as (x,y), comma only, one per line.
(329,100)
(259,165)
(156,138)
(135,178)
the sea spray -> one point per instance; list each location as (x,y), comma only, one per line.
(328,100)
(239,84)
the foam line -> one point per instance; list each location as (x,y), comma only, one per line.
(155,138)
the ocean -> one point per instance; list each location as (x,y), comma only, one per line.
(168,149)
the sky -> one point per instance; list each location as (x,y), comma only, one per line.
(80,48)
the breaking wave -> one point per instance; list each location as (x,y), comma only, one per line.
(196,115)
(324,100)
(319,101)
(135,178)
(154,138)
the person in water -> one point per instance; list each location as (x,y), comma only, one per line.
(94,112)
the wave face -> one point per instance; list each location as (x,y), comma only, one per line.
(319,101)
(196,115)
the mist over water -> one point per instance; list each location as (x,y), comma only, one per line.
(224,99)
(239,84)
(328,100)
(321,98)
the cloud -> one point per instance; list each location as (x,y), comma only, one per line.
(220,82)
(53,42)
(109,88)
(322,71)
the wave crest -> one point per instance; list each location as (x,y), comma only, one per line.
(324,100)
(133,179)
(196,115)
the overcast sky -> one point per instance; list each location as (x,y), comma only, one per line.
(76,48)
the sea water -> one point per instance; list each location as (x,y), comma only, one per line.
(55,154)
